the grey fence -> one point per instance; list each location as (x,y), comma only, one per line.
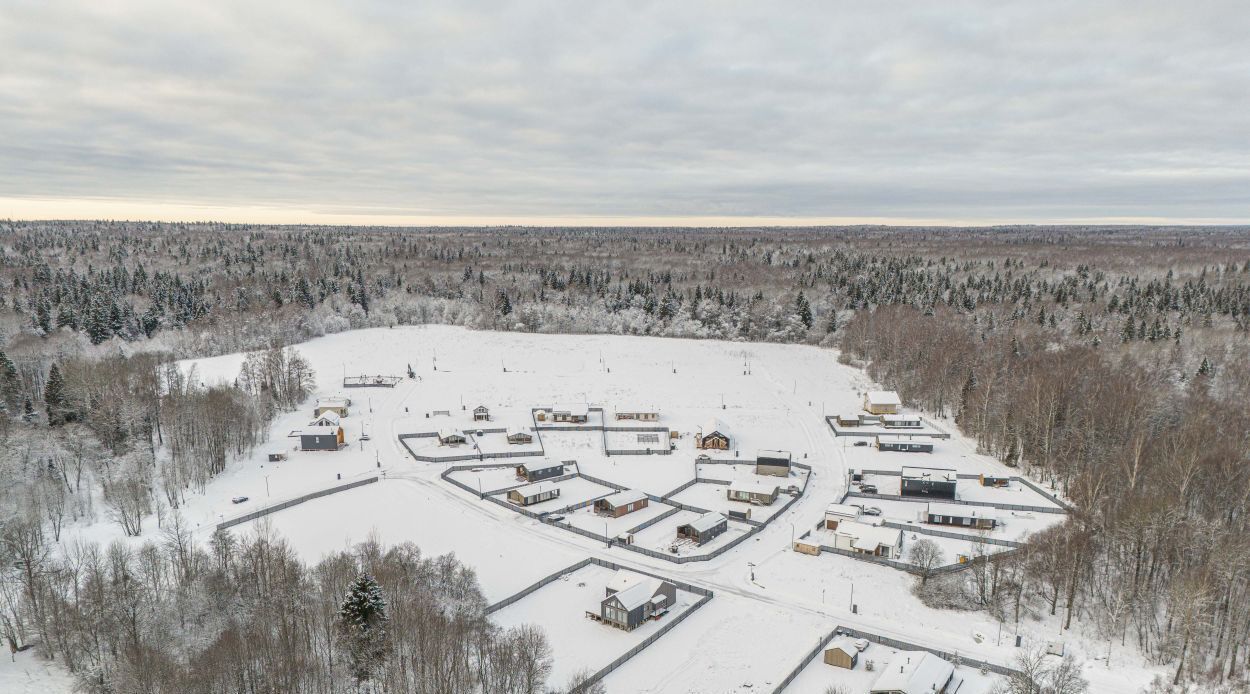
(918,499)
(648,523)
(638,451)
(953,536)
(294,502)
(403,439)
(936,432)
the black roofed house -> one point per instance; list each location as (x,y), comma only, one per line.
(532,494)
(516,435)
(904,444)
(621,503)
(775,463)
(931,482)
(539,470)
(704,528)
(320,438)
(901,421)
(713,436)
(634,598)
(451,437)
(978,517)
(481,414)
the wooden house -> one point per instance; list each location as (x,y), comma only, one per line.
(836,513)
(928,482)
(336,405)
(713,436)
(321,438)
(847,420)
(539,470)
(909,672)
(704,528)
(573,414)
(481,414)
(882,402)
(904,444)
(774,463)
(518,436)
(329,418)
(451,437)
(633,598)
(757,493)
(621,503)
(841,652)
(532,494)
(978,517)
(864,538)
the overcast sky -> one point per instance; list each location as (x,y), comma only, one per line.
(534,111)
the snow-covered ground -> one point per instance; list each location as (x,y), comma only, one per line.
(818,675)
(771,605)
(23,673)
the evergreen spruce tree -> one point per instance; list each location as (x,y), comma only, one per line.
(362,621)
(54,397)
(10,388)
(1205,368)
(803,310)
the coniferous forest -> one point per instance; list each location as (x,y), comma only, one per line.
(1113,362)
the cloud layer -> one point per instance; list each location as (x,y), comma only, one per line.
(966,111)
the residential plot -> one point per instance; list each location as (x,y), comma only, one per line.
(637,440)
(577,641)
(714,497)
(662,537)
(657,474)
(587,519)
(572,491)
(494,443)
(1012,525)
(818,675)
(489,479)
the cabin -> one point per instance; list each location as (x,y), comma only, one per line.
(847,420)
(978,517)
(704,528)
(336,405)
(634,598)
(904,444)
(928,482)
(756,493)
(713,436)
(882,402)
(836,513)
(532,494)
(637,414)
(901,421)
(621,503)
(541,470)
(992,481)
(519,436)
(451,437)
(277,456)
(321,438)
(329,418)
(481,414)
(573,414)
(774,463)
(864,538)
(842,653)
(912,672)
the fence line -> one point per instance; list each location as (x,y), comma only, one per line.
(919,499)
(950,535)
(260,513)
(403,440)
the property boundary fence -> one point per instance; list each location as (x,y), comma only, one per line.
(934,431)
(704,594)
(260,513)
(888,642)
(920,530)
(403,440)
(961,502)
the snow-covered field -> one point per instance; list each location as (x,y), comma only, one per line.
(771,604)
(818,675)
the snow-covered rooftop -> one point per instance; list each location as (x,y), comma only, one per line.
(714,425)
(914,672)
(867,538)
(883,397)
(319,431)
(784,455)
(895,439)
(541,465)
(627,496)
(751,487)
(706,522)
(535,488)
(933,473)
(900,417)
(842,510)
(961,511)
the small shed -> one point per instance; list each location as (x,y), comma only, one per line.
(847,420)
(704,528)
(321,438)
(518,436)
(277,455)
(979,517)
(904,444)
(882,402)
(336,405)
(481,414)
(993,481)
(713,436)
(930,482)
(621,503)
(540,470)
(757,493)
(634,598)
(532,494)
(774,463)
(451,437)
(842,653)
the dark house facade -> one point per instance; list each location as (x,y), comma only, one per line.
(704,528)
(928,482)
(533,472)
(775,463)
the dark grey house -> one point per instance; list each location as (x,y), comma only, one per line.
(928,482)
(775,463)
(634,598)
(541,470)
(320,438)
(704,528)
(904,444)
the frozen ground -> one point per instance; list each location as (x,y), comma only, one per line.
(817,675)
(587,519)
(714,497)
(968,490)
(1013,525)
(771,604)
(23,673)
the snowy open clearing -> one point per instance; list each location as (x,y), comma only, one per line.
(771,606)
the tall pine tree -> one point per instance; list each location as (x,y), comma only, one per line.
(54,397)
(362,621)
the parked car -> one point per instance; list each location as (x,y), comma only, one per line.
(872,511)
(555,519)
(861,443)
(238,499)
(868,488)
(702,457)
